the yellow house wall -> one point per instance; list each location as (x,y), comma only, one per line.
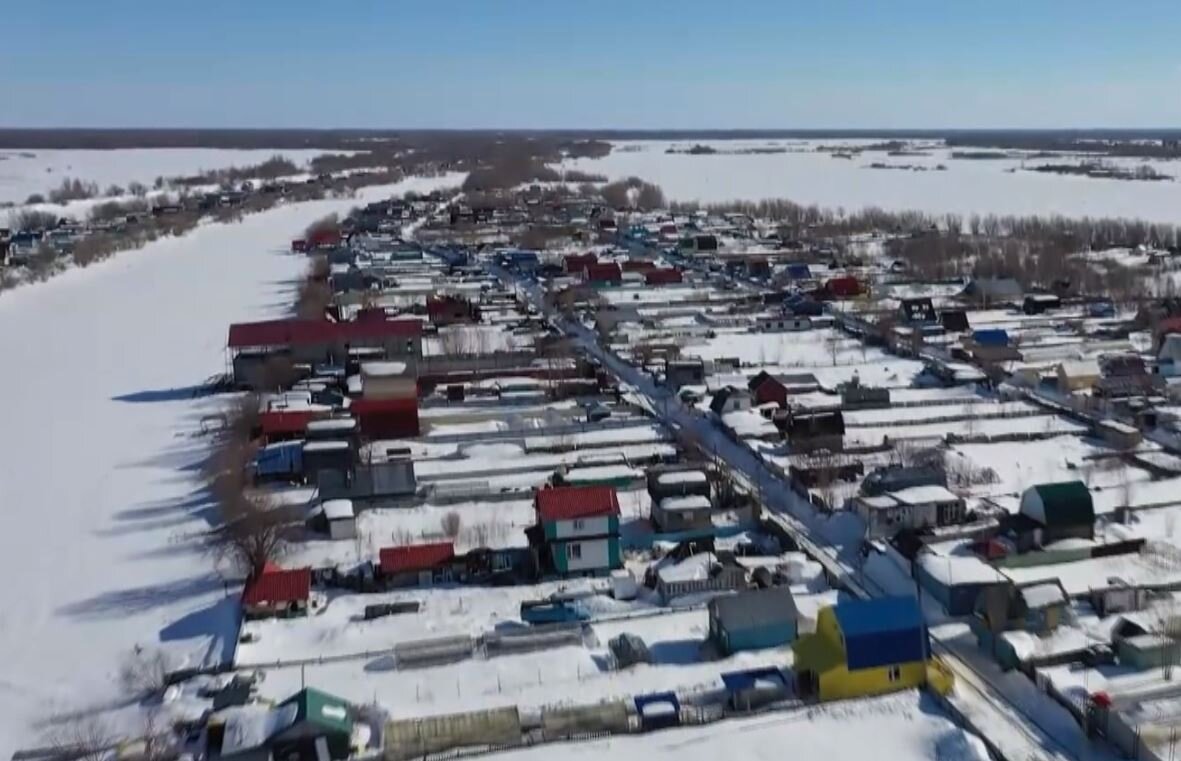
(826,626)
(840,683)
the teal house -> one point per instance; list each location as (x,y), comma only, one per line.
(577,530)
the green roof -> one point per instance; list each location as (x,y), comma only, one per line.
(328,712)
(1065,504)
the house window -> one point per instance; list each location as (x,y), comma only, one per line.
(574,551)
(894,674)
(579,524)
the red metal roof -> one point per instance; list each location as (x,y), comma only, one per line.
(309,332)
(1169,325)
(638,265)
(603,272)
(275,585)
(563,503)
(661,277)
(360,407)
(415,557)
(578,262)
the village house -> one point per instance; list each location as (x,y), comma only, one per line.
(681,482)
(1058,511)
(577,529)
(336,518)
(778,388)
(684,372)
(814,431)
(917,312)
(252,344)
(657,277)
(416,565)
(690,513)
(987,290)
(782,323)
(608,274)
(911,509)
(753,619)
(862,648)
(1034,609)
(1040,303)
(388,380)
(277,592)
(855,396)
(1078,375)
(309,725)
(730,399)
(954,321)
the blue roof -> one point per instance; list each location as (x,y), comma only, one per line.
(883,631)
(737,681)
(991,337)
(881,614)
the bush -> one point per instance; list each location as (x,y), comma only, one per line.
(73,190)
(30,219)
(451,524)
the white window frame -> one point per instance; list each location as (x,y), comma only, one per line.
(574,551)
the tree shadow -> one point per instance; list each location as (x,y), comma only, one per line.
(141,599)
(160,395)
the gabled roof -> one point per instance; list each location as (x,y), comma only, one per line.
(327,712)
(878,615)
(563,503)
(415,557)
(277,586)
(310,332)
(1067,503)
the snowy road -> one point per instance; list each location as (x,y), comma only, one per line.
(1014,723)
(98,458)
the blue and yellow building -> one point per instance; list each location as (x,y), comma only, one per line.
(865,647)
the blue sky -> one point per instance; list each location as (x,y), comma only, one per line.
(601,64)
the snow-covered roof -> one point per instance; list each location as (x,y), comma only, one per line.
(693,568)
(682,477)
(330,445)
(917,495)
(248,727)
(332,424)
(383,369)
(691,502)
(1043,595)
(338,509)
(959,569)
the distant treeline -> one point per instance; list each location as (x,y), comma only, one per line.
(356,139)
(1165,144)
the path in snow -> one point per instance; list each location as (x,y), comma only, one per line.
(98,461)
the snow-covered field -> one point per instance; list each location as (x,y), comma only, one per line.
(908,725)
(23,173)
(809,177)
(98,456)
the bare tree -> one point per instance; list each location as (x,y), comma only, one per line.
(451,524)
(252,533)
(81,738)
(144,671)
